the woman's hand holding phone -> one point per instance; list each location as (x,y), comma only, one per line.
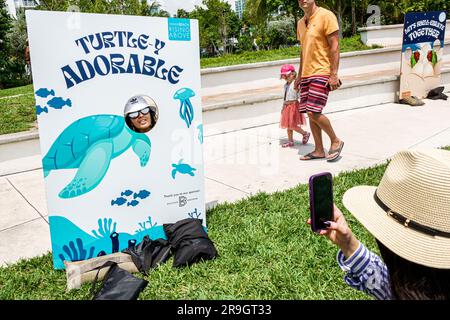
(340,234)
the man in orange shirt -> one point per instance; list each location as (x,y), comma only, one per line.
(318,33)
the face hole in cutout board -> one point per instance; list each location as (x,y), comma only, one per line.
(141,113)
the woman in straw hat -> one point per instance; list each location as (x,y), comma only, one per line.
(409,215)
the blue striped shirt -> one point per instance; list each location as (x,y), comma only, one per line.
(365,271)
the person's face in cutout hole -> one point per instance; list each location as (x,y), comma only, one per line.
(141,113)
(141,120)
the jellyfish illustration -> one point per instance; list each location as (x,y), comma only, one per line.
(200,133)
(186,109)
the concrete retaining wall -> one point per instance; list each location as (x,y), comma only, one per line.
(237,115)
(389,35)
(351,63)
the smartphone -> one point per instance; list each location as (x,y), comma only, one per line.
(329,87)
(321,200)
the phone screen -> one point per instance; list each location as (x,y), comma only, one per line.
(322,200)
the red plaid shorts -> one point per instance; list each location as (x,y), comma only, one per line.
(313,94)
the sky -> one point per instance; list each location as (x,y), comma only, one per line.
(173,5)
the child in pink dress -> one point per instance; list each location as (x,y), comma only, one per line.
(291,118)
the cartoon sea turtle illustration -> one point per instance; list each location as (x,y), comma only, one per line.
(90,144)
(182,168)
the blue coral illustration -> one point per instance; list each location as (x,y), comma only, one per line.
(143,225)
(194,214)
(88,145)
(200,133)
(186,109)
(73,253)
(104,228)
(71,243)
(182,168)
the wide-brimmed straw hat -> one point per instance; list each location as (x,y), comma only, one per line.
(409,212)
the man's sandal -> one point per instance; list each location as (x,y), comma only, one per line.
(310,156)
(337,151)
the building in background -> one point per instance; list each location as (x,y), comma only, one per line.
(13,5)
(240,7)
(26,3)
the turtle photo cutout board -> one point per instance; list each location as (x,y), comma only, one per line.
(109,182)
(422,53)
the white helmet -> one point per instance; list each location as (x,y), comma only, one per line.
(138,103)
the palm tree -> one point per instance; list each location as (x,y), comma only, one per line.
(258,10)
(155,10)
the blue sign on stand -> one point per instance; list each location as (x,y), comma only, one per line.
(422,52)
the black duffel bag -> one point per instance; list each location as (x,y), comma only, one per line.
(189,242)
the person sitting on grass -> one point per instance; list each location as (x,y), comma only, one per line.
(408,214)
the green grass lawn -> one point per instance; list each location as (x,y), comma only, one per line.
(346,45)
(266,251)
(17,109)
(16,91)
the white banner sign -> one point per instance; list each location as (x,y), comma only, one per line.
(120,125)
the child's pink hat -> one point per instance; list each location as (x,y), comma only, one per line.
(287,69)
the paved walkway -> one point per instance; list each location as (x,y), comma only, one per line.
(237,165)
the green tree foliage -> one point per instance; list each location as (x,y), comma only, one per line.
(128,7)
(18,36)
(218,24)
(181,13)
(245,43)
(5,26)
(280,33)
(12,68)
(351,14)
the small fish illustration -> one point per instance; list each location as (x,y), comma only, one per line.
(127,193)
(142,194)
(119,201)
(133,203)
(44,93)
(39,110)
(58,103)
